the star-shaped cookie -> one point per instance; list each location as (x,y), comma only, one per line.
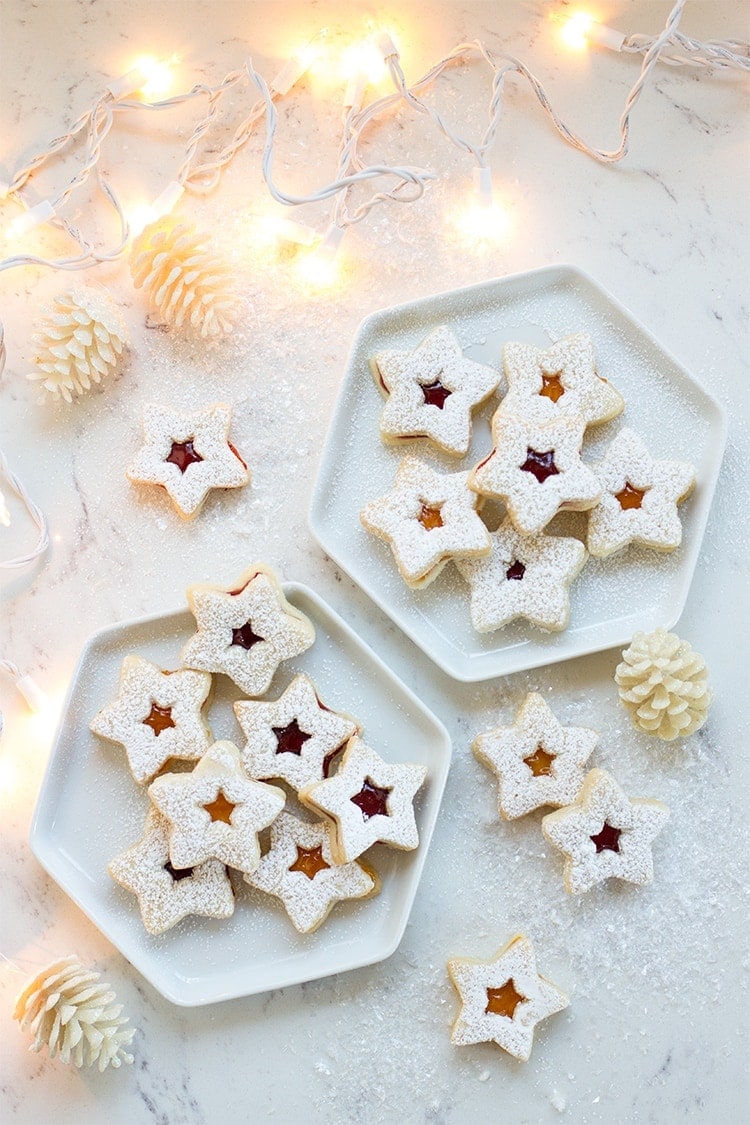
(523,576)
(299,869)
(216,812)
(605,834)
(188,455)
(537,761)
(562,379)
(503,1000)
(536,468)
(369,800)
(294,737)
(156,716)
(431,391)
(427,518)
(245,630)
(167,894)
(639,498)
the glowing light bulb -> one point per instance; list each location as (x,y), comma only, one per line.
(576,30)
(157,77)
(30,219)
(362,61)
(142,214)
(321,269)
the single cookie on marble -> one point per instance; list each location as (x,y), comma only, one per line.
(537,761)
(427,518)
(370,801)
(167,894)
(245,630)
(523,576)
(536,468)
(503,1000)
(294,737)
(431,391)
(605,835)
(216,812)
(639,498)
(544,383)
(188,455)
(300,870)
(156,716)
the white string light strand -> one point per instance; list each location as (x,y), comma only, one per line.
(670,46)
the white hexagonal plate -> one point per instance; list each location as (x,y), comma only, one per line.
(90,809)
(612,598)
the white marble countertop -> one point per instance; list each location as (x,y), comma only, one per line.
(654,1030)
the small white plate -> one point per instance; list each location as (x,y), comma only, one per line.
(612,598)
(90,809)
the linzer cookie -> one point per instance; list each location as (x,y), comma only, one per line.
(156,716)
(605,835)
(537,761)
(295,737)
(300,870)
(561,379)
(639,498)
(369,801)
(503,1000)
(245,630)
(431,391)
(523,576)
(188,455)
(216,812)
(167,894)
(536,468)
(427,518)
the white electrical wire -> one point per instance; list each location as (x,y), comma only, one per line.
(35,512)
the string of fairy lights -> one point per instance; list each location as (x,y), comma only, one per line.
(360,66)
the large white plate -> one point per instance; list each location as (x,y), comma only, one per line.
(90,809)
(636,589)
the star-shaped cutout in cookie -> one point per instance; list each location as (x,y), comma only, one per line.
(216,812)
(188,455)
(294,737)
(369,800)
(245,630)
(156,716)
(427,518)
(537,761)
(503,1000)
(300,870)
(523,576)
(536,468)
(561,379)
(639,498)
(432,391)
(605,834)
(167,894)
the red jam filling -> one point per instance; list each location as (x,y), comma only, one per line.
(245,637)
(290,739)
(608,840)
(371,800)
(178,873)
(540,465)
(183,455)
(435,394)
(515,571)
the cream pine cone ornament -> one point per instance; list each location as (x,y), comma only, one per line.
(73,1015)
(664,685)
(80,342)
(188,286)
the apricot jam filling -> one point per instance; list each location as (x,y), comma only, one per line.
(430,518)
(309,861)
(552,387)
(290,739)
(183,454)
(541,465)
(504,1000)
(371,800)
(608,840)
(159,719)
(221,808)
(540,762)
(630,496)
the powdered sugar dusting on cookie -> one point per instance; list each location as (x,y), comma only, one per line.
(561,379)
